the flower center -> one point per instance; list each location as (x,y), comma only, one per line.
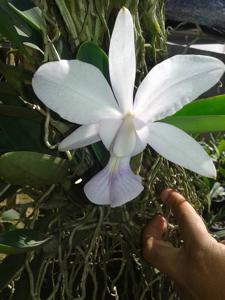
(128,120)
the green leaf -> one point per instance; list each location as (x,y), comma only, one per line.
(17,134)
(221,146)
(21,134)
(32,168)
(204,115)
(18,31)
(8,30)
(10,267)
(21,240)
(20,129)
(197,124)
(208,106)
(29,114)
(20,112)
(31,14)
(94,55)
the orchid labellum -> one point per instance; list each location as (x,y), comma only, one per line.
(79,93)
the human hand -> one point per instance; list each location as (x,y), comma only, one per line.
(198,267)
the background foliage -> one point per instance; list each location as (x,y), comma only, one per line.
(55,244)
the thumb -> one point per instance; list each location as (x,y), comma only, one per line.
(160,254)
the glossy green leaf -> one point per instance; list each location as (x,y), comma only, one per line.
(208,106)
(10,267)
(197,124)
(32,168)
(21,240)
(94,55)
(204,115)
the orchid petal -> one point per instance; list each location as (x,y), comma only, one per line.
(115,185)
(141,129)
(139,147)
(81,137)
(108,130)
(175,82)
(122,60)
(180,148)
(77,91)
(125,140)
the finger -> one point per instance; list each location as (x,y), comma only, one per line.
(160,254)
(155,228)
(192,227)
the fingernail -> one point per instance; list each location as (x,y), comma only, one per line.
(164,195)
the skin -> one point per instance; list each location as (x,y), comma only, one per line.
(198,267)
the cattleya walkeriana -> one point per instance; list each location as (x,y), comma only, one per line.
(79,93)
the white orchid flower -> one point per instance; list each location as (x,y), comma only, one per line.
(79,93)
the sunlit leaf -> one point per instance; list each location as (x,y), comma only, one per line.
(204,115)
(208,106)
(198,124)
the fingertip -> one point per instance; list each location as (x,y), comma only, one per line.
(165,194)
(171,197)
(155,228)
